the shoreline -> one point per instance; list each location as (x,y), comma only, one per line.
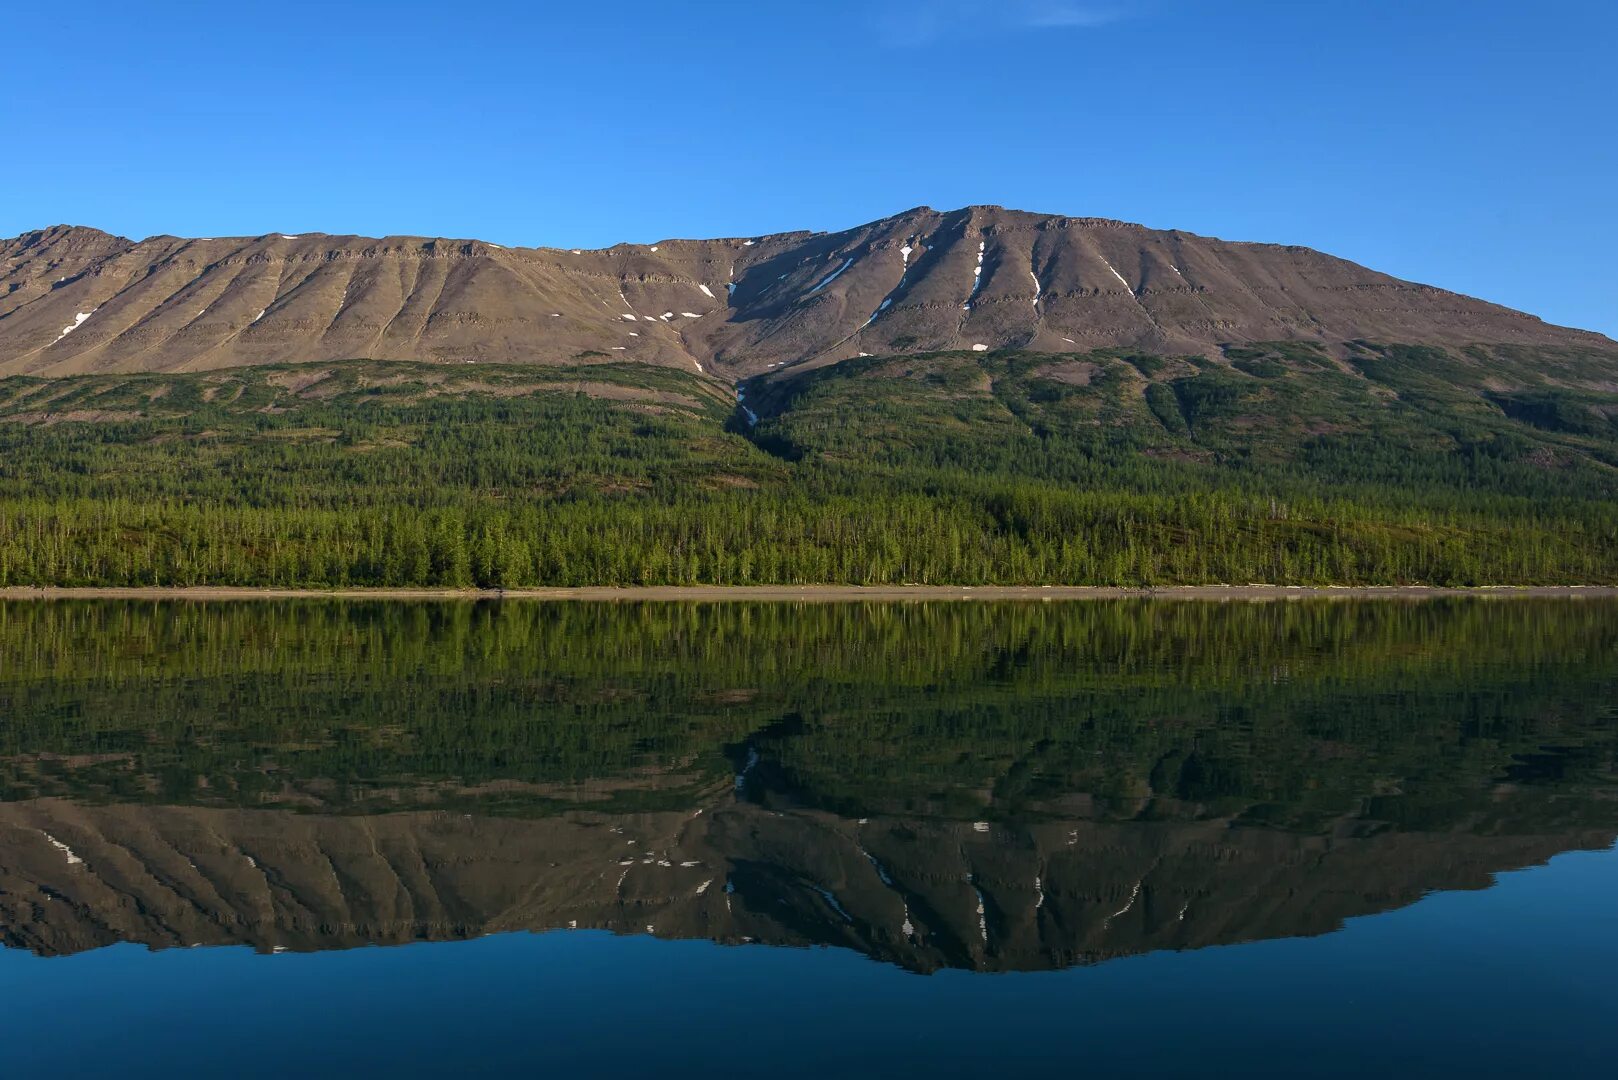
(820,593)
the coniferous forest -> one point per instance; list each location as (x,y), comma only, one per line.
(1279,464)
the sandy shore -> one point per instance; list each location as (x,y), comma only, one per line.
(819,593)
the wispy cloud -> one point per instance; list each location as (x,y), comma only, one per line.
(928,20)
(1070,16)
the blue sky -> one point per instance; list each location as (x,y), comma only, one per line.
(1472,145)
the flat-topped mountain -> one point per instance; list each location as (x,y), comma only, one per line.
(921,894)
(75,300)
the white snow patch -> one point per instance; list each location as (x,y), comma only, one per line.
(980,826)
(284,236)
(1070,341)
(704,886)
(78,321)
(707,292)
(556,314)
(980,348)
(1039,892)
(690,315)
(633,334)
(631,318)
(648,318)
(977,277)
(747,243)
(620,348)
(1133,895)
(831,277)
(1039,290)
(654,247)
(666,316)
(72,859)
(1121,279)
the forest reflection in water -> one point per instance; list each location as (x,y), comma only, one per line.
(991,787)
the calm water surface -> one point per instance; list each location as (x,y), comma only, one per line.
(1292,838)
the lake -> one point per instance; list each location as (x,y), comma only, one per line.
(1308,837)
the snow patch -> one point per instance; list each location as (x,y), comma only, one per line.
(707,292)
(72,859)
(747,243)
(284,236)
(259,316)
(977,276)
(690,315)
(78,321)
(631,318)
(831,277)
(980,348)
(1133,895)
(1121,279)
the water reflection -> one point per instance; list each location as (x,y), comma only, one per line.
(988,787)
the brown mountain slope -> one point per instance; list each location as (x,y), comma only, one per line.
(923,894)
(76,300)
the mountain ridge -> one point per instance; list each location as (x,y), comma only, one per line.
(77,300)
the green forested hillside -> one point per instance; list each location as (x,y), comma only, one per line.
(1421,715)
(1374,465)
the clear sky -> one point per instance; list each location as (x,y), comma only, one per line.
(1472,144)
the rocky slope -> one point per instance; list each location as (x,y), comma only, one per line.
(923,894)
(76,300)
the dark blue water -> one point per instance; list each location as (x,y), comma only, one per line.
(1274,840)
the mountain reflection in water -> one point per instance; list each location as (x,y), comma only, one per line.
(993,787)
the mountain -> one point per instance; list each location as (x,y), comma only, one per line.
(922,894)
(75,300)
